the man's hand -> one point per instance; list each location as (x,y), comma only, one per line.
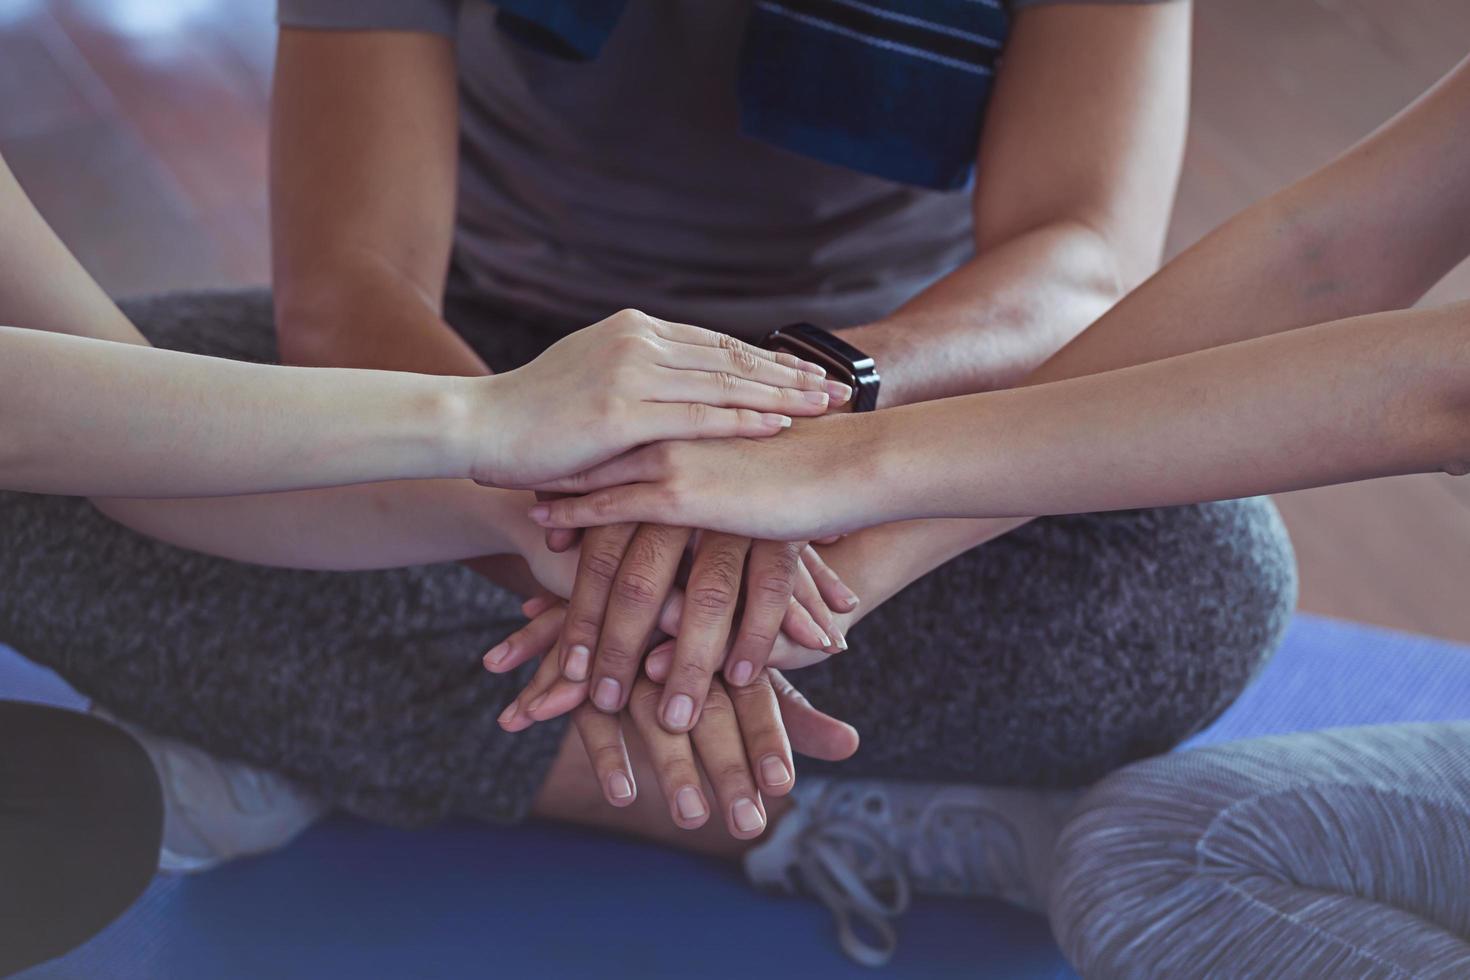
(741,749)
(778,588)
(625,592)
(624,597)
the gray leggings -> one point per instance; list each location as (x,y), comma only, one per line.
(1332,854)
(1048,657)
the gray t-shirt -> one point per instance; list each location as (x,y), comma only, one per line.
(585,187)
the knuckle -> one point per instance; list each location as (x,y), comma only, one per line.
(698,414)
(727,381)
(748,700)
(718,702)
(602,505)
(742,359)
(772,590)
(600,565)
(730,772)
(756,640)
(644,700)
(606,756)
(710,597)
(689,675)
(636,587)
(629,318)
(781,559)
(580,624)
(616,659)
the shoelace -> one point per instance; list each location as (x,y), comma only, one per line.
(848,866)
(830,857)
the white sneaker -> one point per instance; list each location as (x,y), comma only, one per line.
(216,810)
(864,846)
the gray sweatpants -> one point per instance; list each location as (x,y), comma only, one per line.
(1048,657)
(1331,854)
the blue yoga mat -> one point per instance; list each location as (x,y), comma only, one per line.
(354,900)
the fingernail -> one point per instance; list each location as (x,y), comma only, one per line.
(840,640)
(678,712)
(579,659)
(540,513)
(747,815)
(840,392)
(826,640)
(508,713)
(741,673)
(780,421)
(852,600)
(818,398)
(497,654)
(774,771)
(618,786)
(690,803)
(607,695)
(531,708)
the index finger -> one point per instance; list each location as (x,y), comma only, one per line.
(685,333)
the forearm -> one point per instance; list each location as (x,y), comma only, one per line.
(1074,182)
(879,562)
(383,525)
(91,417)
(991,322)
(364,136)
(1385,394)
(1372,231)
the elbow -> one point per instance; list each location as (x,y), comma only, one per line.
(1104,269)
(308,325)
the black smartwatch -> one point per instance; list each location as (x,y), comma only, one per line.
(843,361)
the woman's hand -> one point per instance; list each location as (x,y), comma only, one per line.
(629,380)
(821,478)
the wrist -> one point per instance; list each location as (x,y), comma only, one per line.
(472,432)
(887,343)
(876,474)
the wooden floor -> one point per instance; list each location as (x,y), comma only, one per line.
(139,127)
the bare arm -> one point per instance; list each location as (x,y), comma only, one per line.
(1078,162)
(364,134)
(95,417)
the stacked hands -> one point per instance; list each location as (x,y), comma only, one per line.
(677,631)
